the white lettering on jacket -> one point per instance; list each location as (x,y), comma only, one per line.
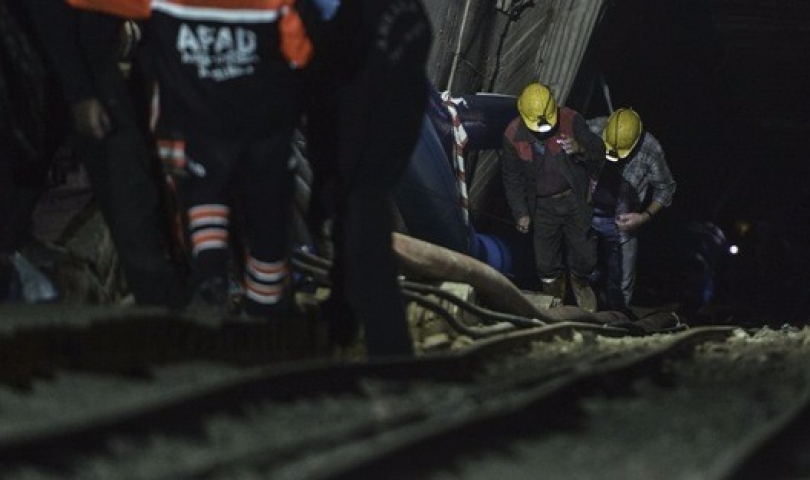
(219,52)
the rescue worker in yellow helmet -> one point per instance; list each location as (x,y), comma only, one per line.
(537,108)
(631,188)
(547,159)
(622,133)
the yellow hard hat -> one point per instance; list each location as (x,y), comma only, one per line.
(538,108)
(621,133)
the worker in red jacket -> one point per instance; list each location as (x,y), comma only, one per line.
(547,159)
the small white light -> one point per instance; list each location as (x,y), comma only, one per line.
(734,249)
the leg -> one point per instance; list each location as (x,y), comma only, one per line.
(267,189)
(629,252)
(548,247)
(124,178)
(611,257)
(581,247)
(203,194)
(381,106)
(599,276)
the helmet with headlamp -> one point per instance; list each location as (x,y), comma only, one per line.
(622,133)
(537,108)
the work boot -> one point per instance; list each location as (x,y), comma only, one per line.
(210,300)
(659,322)
(584,295)
(555,288)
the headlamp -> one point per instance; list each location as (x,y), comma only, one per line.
(543,126)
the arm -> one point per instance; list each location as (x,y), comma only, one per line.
(58,27)
(585,144)
(633,220)
(661,182)
(591,145)
(586,147)
(514,185)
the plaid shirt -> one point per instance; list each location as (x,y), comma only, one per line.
(646,169)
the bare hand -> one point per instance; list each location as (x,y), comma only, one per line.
(631,221)
(91,119)
(523,224)
(569,144)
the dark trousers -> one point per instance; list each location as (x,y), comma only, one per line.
(369,127)
(27,108)
(18,197)
(616,266)
(17,201)
(563,227)
(31,128)
(249,170)
(124,179)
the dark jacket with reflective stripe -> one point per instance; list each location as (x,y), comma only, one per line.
(519,161)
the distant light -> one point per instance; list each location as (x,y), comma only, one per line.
(742,227)
(734,249)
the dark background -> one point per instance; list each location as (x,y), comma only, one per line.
(723,85)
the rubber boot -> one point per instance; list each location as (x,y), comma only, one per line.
(555,288)
(584,295)
(210,301)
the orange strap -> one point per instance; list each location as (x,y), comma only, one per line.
(295,44)
(134,9)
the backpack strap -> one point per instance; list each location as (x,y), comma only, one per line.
(295,44)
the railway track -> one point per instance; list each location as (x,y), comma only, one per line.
(206,412)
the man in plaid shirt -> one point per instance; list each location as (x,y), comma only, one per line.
(629,190)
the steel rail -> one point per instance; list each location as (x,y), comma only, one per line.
(747,458)
(549,396)
(181,411)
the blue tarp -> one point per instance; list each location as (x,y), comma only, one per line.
(428,196)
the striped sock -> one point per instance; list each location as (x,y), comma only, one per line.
(208,225)
(265,284)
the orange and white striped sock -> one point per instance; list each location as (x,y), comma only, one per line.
(265,281)
(208,225)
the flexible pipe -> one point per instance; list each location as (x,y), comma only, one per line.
(484,313)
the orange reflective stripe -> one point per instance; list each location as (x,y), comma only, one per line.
(209,235)
(136,9)
(213,212)
(295,44)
